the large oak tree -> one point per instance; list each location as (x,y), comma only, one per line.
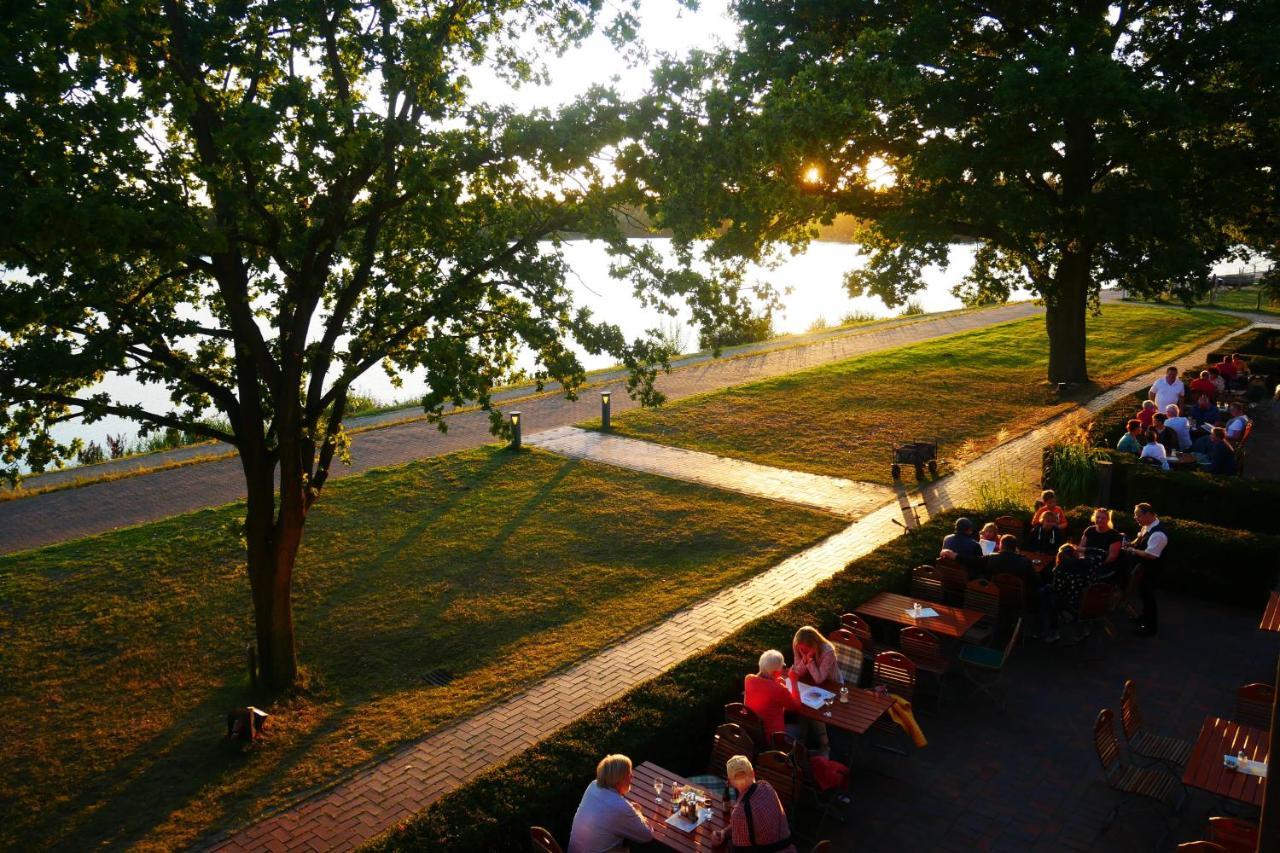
(1075,143)
(253,203)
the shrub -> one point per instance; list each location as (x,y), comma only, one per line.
(1225,501)
(850,318)
(1001,495)
(913,308)
(669,720)
(1071,470)
(819,324)
(750,331)
(91,454)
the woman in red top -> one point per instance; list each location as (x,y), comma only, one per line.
(769,695)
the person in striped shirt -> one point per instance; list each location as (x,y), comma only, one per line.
(758,823)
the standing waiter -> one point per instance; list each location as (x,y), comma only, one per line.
(1147,551)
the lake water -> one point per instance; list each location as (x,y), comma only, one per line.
(814,281)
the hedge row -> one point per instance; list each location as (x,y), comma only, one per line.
(1259,341)
(1224,501)
(669,720)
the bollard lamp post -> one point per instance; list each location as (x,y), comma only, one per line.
(515,430)
(604,410)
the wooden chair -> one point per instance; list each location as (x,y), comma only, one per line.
(1013,597)
(983,666)
(1093,619)
(1202,846)
(955,578)
(1011,525)
(730,739)
(926,584)
(925,652)
(1253,705)
(895,672)
(984,597)
(1235,835)
(1171,751)
(856,625)
(543,841)
(1142,783)
(822,847)
(850,655)
(824,802)
(777,768)
(736,712)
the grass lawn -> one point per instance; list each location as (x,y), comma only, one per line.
(120,653)
(1239,299)
(969,391)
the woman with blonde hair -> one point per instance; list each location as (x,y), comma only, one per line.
(815,657)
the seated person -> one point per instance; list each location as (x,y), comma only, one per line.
(1227,370)
(962,543)
(770,695)
(1045,538)
(1204,411)
(1146,413)
(815,657)
(1180,426)
(1221,455)
(1219,382)
(1241,371)
(1164,434)
(1100,542)
(1204,386)
(605,820)
(989,538)
(1072,575)
(1236,422)
(1153,449)
(1008,561)
(1049,506)
(758,821)
(1130,441)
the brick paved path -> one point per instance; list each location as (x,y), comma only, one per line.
(833,494)
(377,797)
(72,513)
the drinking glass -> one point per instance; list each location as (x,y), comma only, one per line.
(657,789)
(844,694)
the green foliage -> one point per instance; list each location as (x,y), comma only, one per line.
(1003,494)
(91,454)
(852,318)
(948,121)
(749,331)
(819,324)
(911,308)
(1071,468)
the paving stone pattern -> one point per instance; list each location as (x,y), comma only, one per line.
(833,494)
(378,797)
(72,513)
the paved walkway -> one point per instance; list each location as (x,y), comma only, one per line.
(73,513)
(377,797)
(833,494)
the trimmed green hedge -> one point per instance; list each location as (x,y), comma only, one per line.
(669,720)
(1225,501)
(1255,341)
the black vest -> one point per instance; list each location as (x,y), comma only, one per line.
(1140,543)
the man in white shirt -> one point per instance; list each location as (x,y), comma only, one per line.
(605,820)
(1236,422)
(1147,551)
(1167,390)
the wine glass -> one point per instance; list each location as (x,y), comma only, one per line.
(657,789)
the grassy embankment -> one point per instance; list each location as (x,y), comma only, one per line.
(121,652)
(968,391)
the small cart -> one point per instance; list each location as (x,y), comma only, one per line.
(917,454)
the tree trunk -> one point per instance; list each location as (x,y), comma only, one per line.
(1064,319)
(271,550)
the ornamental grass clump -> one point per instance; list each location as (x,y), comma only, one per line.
(1072,465)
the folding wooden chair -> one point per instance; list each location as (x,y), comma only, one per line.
(895,672)
(1013,597)
(926,584)
(1092,619)
(1202,847)
(777,768)
(1170,751)
(824,802)
(984,597)
(1253,705)
(736,712)
(730,739)
(1010,525)
(858,626)
(543,841)
(983,666)
(1140,783)
(1235,835)
(925,652)
(850,656)
(822,847)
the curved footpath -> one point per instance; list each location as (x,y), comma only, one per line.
(59,516)
(375,798)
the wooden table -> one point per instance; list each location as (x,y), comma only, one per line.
(950,622)
(856,716)
(1271,616)
(1206,771)
(642,795)
(1184,462)
(1038,560)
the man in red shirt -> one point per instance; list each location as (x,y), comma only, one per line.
(1204,385)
